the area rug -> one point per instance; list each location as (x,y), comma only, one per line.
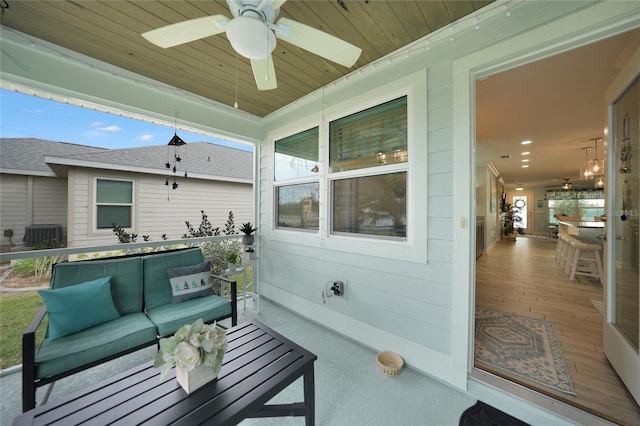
(481,414)
(522,346)
(599,305)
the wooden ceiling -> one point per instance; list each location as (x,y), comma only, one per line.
(110,31)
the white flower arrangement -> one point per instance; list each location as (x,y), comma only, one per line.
(192,345)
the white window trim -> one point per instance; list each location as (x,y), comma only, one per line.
(94,224)
(414,248)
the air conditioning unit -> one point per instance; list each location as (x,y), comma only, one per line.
(36,234)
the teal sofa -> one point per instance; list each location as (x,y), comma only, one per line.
(142,295)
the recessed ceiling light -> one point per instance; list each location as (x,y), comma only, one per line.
(524,166)
(525,160)
(525,153)
(525,142)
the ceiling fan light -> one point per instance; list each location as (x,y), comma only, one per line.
(251,37)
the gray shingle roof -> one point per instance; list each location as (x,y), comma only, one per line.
(201,158)
(28,154)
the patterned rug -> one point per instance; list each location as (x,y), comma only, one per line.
(599,305)
(522,346)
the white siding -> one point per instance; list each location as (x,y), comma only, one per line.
(13,207)
(421,310)
(50,201)
(158,209)
(31,200)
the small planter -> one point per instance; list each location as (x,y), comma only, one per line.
(231,267)
(248,256)
(196,378)
(248,240)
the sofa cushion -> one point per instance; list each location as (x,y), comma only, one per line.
(103,340)
(170,317)
(75,308)
(157,288)
(190,282)
(126,279)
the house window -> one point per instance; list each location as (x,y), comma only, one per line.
(373,205)
(375,137)
(368,161)
(297,156)
(298,206)
(114,203)
(297,185)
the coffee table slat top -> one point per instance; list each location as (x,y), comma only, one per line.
(259,363)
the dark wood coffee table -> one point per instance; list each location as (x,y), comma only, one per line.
(259,363)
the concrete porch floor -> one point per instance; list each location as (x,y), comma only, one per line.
(350,390)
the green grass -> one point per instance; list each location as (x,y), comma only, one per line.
(17,310)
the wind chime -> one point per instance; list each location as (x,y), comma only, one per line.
(176,142)
(625,162)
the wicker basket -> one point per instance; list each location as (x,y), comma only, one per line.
(390,363)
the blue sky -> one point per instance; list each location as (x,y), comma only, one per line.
(25,116)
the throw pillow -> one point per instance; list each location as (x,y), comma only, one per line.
(190,282)
(78,307)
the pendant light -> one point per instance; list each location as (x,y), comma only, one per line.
(596,166)
(585,170)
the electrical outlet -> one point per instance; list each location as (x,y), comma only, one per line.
(338,288)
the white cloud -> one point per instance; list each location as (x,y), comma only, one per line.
(102,127)
(109,129)
(146,137)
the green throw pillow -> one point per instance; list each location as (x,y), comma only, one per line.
(78,307)
(190,282)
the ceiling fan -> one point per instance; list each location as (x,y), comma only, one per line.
(567,184)
(251,34)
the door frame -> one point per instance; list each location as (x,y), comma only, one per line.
(619,353)
(594,23)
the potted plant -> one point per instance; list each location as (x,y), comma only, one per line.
(247,229)
(248,254)
(196,350)
(232,260)
(509,216)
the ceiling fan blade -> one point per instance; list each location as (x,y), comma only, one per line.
(264,73)
(186,31)
(277,4)
(319,42)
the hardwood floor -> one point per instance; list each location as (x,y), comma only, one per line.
(522,277)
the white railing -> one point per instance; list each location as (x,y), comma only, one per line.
(128,247)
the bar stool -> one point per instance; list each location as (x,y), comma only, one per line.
(565,250)
(562,240)
(585,260)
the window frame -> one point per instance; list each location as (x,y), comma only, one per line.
(96,205)
(338,104)
(377,170)
(277,184)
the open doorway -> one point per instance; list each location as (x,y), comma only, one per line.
(520,283)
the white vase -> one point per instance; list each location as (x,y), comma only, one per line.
(196,378)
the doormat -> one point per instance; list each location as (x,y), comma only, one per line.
(481,414)
(521,346)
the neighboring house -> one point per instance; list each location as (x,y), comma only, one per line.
(85,189)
